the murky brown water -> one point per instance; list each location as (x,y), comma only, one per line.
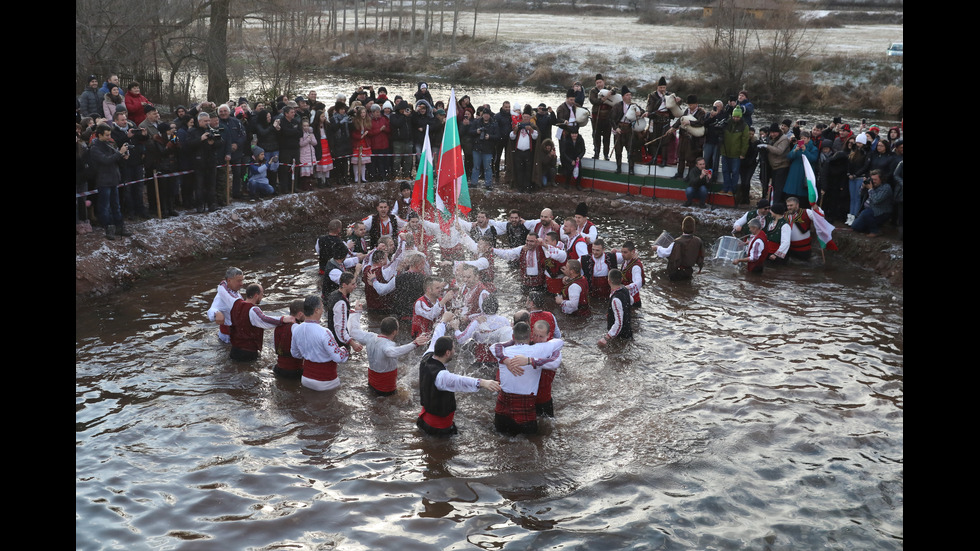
(750,413)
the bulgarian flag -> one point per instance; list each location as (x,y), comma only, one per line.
(423,179)
(823,228)
(453,189)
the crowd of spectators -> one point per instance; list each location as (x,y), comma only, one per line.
(206,154)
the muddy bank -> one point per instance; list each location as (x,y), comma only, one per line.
(103,267)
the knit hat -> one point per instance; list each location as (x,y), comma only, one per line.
(862,138)
(388,105)
(256,151)
(775,128)
(826,143)
(788,122)
(737,112)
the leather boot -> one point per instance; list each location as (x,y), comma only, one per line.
(121,230)
(110,233)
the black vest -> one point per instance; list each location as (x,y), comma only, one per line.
(517,235)
(588,264)
(435,401)
(491,232)
(328,286)
(375,233)
(326,244)
(332,300)
(624,296)
(409,286)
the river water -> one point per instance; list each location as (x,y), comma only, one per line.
(749,413)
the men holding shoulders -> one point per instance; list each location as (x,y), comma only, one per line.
(248,324)
(316,346)
(287,366)
(531,259)
(383,223)
(430,306)
(438,386)
(520,366)
(596,267)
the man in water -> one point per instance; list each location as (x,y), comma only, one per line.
(224,299)
(287,366)
(383,353)
(316,346)
(438,386)
(520,372)
(619,317)
(684,253)
(248,325)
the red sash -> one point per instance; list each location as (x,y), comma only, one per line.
(555,285)
(224,329)
(383,382)
(289,363)
(320,371)
(437,422)
(519,407)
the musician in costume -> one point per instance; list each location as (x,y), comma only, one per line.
(689,147)
(659,117)
(622,117)
(684,253)
(601,125)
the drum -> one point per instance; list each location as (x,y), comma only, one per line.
(673,105)
(730,248)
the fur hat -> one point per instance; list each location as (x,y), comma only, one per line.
(692,98)
(599,77)
(625,91)
(570,93)
(582,209)
(662,82)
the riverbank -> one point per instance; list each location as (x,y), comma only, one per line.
(104,267)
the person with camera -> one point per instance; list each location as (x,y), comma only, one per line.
(523,136)
(125,132)
(236,144)
(106,159)
(878,206)
(204,144)
(484,134)
(290,131)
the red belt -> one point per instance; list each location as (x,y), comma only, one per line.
(519,407)
(224,329)
(383,382)
(437,422)
(320,371)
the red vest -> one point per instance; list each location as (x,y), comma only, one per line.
(628,277)
(283,340)
(803,222)
(244,335)
(536,280)
(572,253)
(472,297)
(761,236)
(548,317)
(372,298)
(583,297)
(419,324)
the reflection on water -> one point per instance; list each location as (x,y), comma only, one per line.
(748,413)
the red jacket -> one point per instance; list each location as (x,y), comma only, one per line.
(134,104)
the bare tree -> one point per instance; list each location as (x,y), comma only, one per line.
(723,47)
(782,45)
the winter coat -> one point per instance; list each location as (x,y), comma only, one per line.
(796,179)
(735,140)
